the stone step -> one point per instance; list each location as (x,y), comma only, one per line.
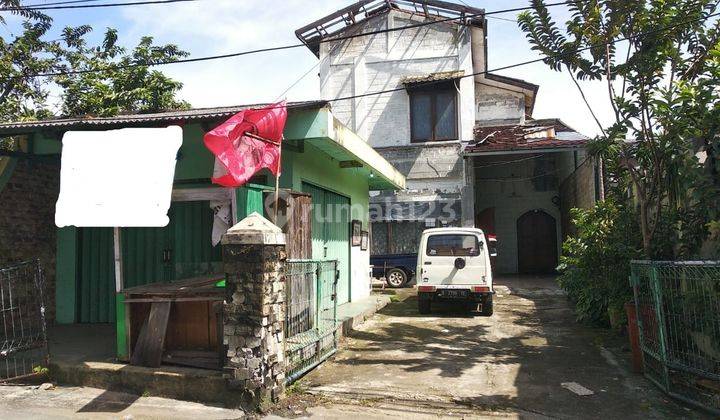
(206,386)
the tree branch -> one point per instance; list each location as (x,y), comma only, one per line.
(587,104)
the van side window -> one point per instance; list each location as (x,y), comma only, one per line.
(453,246)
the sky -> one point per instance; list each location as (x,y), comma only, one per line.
(210,27)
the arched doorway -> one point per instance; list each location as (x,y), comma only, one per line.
(537,243)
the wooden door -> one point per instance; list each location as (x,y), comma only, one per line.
(537,243)
(485,220)
(295,218)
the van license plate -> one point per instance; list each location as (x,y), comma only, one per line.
(454,293)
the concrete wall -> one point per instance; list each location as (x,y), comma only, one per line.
(495,187)
(380,62)
(577,191)
(27,217)
(496,105)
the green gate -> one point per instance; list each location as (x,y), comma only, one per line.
(331,233)
(180,250)
(311,326)
(678,314)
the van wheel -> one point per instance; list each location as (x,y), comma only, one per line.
(396,278)
(424,306)
(487,306)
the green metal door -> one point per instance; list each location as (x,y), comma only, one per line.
(331,233)
(96,282)
(190,231)
(180,250)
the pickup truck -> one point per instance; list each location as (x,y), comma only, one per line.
(396,269)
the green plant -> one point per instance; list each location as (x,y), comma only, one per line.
(40,370)
(595,265)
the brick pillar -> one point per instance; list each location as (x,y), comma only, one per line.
(254,313)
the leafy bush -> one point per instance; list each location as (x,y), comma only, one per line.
(595,266)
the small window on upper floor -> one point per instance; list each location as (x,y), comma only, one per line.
(433,113)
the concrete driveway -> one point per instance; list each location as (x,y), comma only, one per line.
(455,364)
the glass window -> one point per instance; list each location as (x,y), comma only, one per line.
(446,120)
(453,246)
(433,114)
(421,110)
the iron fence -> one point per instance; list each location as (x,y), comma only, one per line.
(678,311)
(311,327)
(23,335)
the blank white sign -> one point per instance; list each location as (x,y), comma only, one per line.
(120,178)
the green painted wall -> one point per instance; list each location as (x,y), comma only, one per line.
(317,168)
(195,161)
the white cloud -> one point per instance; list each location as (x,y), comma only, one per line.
(207,28)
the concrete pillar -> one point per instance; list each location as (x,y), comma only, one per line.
(254,313)
(467,196)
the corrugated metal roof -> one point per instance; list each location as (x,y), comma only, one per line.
(195,114)
(534,134)
(433,77)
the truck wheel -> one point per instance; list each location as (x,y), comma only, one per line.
(396,278)
(423,305)
(487,306)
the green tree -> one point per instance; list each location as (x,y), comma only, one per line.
(660,62)
(124,82)
(22,97)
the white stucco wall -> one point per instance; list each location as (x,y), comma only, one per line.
(379,62)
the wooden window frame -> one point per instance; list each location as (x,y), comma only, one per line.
(433,92)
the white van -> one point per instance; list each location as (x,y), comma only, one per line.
(454,266)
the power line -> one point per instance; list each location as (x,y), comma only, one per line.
(278,48)
(507,162)
(524,63)
(57,3)
(285,47)
(544,174)
(90,6)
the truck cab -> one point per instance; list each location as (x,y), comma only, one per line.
(454,266)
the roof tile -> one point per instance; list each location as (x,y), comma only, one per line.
(534,134)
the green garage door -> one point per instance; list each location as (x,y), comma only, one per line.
(180,250)
(331,233)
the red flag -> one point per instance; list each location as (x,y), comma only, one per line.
(236,145)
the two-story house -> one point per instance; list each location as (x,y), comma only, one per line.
(463,137)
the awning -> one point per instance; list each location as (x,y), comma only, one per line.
(350,150)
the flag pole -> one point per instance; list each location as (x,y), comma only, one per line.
(277,179)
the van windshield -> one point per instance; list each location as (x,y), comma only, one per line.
(453,246)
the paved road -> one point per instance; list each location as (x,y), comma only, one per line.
(26,402)
(511,364)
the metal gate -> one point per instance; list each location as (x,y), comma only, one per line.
(23,337)
(678,314)
(311,327)
(330,232)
